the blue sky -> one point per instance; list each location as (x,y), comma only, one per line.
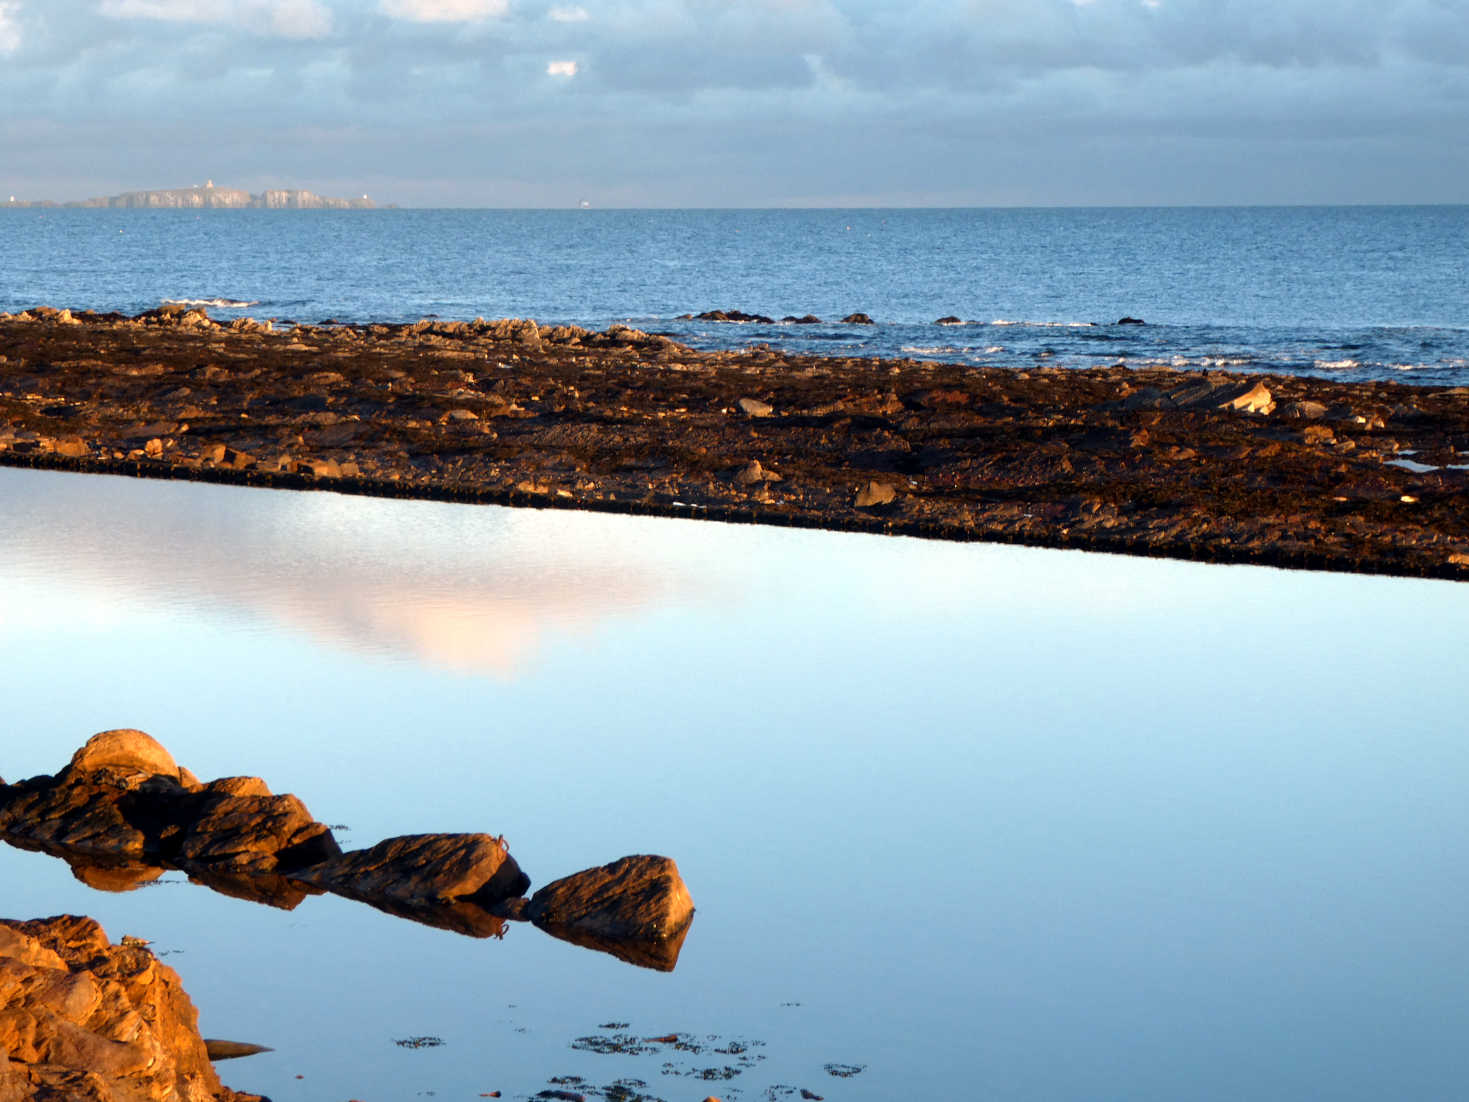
(758,103)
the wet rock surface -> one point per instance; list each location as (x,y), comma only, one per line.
(84,1020)
(1210,466)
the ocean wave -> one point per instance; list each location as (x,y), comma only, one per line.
(932,350)
(1047,324)
(1337,365)
(221,303)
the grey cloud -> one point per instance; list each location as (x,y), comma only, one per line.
(773,100)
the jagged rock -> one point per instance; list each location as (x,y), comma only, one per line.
(256,834)
(640,898)
(754,474)
(753,407)
(875,493)
(858,319)
(1199,394)
(949,320)
(424,868)
(237,786)
(87,1021)
(81,816)
(1130,321)
(1306,410)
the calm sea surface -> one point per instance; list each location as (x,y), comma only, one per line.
(1347,292)
(967,821)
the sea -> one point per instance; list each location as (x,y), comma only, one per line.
(1339,292)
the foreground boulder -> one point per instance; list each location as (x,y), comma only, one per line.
(639,898)
(419,869)
(88,1021)
(124,797)
(124,750)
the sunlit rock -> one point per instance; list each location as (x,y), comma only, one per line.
(256,833)
(127,750)
(87,1021)
(633,898)
(424,868)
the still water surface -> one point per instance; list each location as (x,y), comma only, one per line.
(984,822)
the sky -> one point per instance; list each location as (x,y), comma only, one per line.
(755,103)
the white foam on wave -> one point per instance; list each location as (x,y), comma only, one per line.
(221,303)
(1047,324)
(932,350)
(1337,365)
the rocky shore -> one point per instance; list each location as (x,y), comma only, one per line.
(1216,467)
(122,811)
(84,1020)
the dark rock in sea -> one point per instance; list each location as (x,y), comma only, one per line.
(733,316)
(640,898)
(88,1021)
(858,319)
(1131,321)
(949,320)
(425,869)
(804,319)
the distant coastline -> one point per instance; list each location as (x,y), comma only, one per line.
(207,197)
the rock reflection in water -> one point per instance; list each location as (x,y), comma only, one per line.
(459,916)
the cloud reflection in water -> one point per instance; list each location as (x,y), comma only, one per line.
(465,589)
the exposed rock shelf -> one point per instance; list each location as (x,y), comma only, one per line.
(1210,466)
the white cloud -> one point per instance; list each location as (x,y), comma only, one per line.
(561,69)
(572,14)
(286,18)
(444,11)
(9,30)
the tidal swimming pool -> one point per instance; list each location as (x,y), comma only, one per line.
(959,820)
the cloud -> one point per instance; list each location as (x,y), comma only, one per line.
(444,11)
(9,28)
(769,100)
(285,18)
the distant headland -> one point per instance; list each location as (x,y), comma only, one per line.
(207,197)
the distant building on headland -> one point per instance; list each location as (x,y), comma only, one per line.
(210,197)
